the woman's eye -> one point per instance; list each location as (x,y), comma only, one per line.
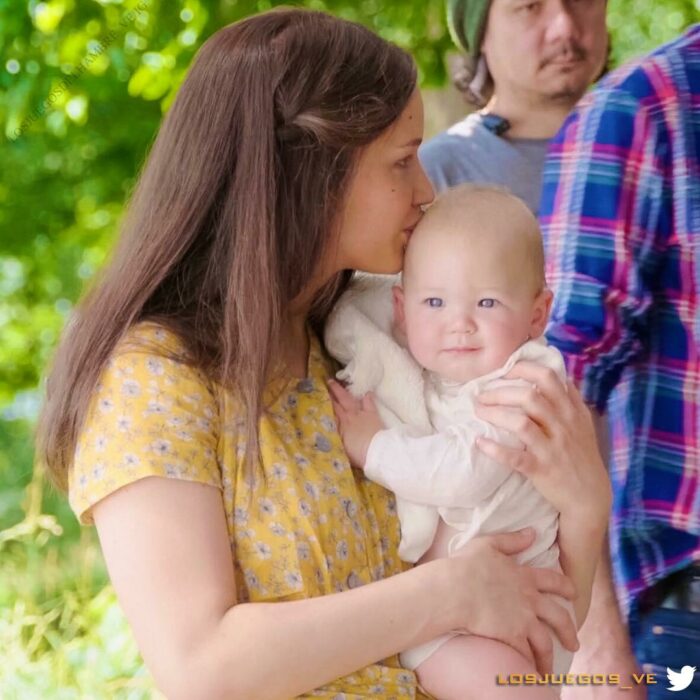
(528,7)
(403,163)
(487,303)
(434,302)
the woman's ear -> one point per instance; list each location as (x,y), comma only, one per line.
(540,313)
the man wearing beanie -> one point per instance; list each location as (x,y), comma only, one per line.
(527,63)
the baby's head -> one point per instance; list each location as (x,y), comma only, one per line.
(473,287)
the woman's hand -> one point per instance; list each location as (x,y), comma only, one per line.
(358,421)
(561,458)
(560,453)
(498,598)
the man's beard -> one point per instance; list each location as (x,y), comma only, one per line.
(569,93)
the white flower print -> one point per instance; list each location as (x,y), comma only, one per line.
(100,443)
(279,471)
(341,550)
(240,516)
(328,423)
(161,447)
(251,579)
(106,405)
(322,443)
(266,506)
(311,489)
(301,460)
(354,580)
(263,550)
(277,529)
(350,507)
(124,423)
(155,408)
(184,435)
(303,551)
(155,366)
(339,465)
(305,508)
(293,578)
(131,460)
(131,387)
(174,470)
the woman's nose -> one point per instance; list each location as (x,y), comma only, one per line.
(423,193)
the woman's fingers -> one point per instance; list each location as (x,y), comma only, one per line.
(551,581)
(512,542)
(519,459)
(540,640)
(530,433)
(342,396)
(545,379)
(558,618)
(368,403)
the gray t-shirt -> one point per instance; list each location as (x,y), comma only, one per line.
(469,152)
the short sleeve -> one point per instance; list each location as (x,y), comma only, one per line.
(150,416)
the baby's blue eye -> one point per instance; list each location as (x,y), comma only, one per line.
(487,303)
(434,302)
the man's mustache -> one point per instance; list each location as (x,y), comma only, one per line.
(569,52)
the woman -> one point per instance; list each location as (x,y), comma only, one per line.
(188,411)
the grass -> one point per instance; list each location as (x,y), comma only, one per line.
(62,633)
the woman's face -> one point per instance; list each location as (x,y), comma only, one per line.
(383,202)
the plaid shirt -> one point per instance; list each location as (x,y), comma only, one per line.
(621,219)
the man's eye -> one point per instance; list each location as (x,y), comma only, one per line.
(434,302)
(487,303)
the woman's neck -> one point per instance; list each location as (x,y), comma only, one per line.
(295,346)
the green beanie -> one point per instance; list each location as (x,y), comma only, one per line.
(466,20)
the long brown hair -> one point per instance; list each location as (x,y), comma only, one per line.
(234,208)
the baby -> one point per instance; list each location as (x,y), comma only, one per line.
(472,303)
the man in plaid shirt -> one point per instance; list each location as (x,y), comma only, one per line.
(620,214)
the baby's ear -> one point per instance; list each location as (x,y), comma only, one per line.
(540,313)
(397,297)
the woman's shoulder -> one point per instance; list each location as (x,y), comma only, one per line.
(151,349)
(153,338)
(152,414)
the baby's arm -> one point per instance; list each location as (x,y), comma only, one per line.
(443,469)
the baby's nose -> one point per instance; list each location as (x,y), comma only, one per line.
(463,323)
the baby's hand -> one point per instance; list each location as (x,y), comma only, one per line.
(358,422)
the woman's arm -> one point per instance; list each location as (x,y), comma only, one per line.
(562,459)
(169,557)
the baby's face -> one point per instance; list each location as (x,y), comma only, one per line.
(466,306)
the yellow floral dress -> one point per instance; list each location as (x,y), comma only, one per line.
(312,526)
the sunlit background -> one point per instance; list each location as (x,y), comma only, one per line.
(83,86)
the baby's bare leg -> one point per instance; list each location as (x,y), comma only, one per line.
(467,667)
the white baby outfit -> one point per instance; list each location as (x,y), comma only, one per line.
(447,490)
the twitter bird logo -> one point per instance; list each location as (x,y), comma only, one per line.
(680,680)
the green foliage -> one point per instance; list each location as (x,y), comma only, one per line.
(83,86)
